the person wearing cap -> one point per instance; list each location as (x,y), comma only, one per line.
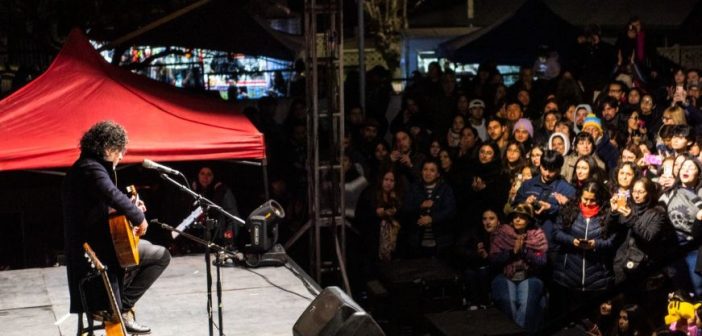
(547,192)
(477,117)
(584,240)
(603,147)
(518,253)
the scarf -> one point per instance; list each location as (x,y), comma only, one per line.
(504,240)
(589,211)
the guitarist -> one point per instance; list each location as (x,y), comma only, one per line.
(89,193)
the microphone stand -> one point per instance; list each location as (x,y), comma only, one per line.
(206,205)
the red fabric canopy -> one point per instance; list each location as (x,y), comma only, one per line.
(42,123)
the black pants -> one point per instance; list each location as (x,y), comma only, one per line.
(153,260)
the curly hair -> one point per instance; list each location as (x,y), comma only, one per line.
(105,135)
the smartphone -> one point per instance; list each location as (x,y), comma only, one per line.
(668,171)
(621,199)
(652,159)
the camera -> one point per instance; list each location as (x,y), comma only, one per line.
(536,205)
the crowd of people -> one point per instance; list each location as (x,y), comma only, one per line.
(547,195)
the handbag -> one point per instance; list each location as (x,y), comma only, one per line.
(633,257)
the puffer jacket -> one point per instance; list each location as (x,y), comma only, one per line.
(585,270)
(648,230)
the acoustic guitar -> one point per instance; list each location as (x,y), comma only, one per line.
(123,237)
(115,326)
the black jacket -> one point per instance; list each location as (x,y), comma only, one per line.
(650,232)
(88,192)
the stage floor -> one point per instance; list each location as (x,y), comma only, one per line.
(35,301)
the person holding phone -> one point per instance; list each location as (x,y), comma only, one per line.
(584,242)
(683,202)
(624,175)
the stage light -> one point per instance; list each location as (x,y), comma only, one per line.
(262,225)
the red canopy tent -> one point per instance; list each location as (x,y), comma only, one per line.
(41,124)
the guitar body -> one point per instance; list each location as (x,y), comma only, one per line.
(124,241)
(123,237)
(115,327)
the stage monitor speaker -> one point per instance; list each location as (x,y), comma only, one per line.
(333,313)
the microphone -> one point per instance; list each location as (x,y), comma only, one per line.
(148,164)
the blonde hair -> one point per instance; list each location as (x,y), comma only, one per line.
(677,114)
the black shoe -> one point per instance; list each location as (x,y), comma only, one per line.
(132,326)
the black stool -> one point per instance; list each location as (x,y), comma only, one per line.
(82,329)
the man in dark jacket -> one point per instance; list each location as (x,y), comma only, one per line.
(429,210)
(546,192)
(89,196)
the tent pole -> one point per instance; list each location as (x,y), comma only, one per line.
(264,167)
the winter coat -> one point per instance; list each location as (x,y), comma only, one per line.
(442,214)
(88,192)
(544,192)
(581,269)
(648,230)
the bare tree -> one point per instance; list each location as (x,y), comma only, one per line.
(387,20)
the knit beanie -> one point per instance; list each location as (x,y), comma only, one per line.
(524,123)
(592,120)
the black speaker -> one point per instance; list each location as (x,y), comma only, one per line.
(333,313)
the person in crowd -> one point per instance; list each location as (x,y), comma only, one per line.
(631,322)
(560,143)
(208,185)
(584,240)
(635,133)
(650,115)
(682,139)
(633,101)
(648,239)
(547,192)
(523,132)
(467,150)
(578,118)
(684,209)
(498,131)
(378,218)
(477,118)
(513,111)
(603,147)
(473,251)
(517,254)
(623,177)
(410,114)
(535,155)
(490,184)
(585,170)
(453,135)
(674,115)
(609,112)
(548,126)
(88,193)
(584,146)
(434,149)
(406,158)
(429,212)
(514,159)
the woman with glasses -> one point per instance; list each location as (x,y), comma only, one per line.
(648,238)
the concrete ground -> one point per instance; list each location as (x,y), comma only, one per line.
(35,301)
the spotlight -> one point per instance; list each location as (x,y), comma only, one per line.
(262,225)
